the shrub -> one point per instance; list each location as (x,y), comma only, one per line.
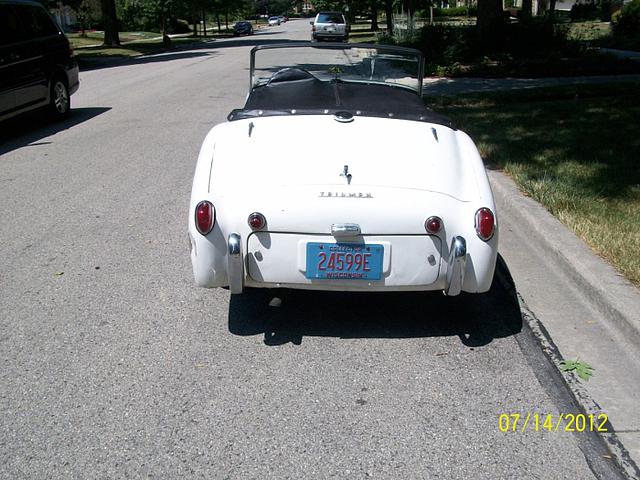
(627,21)
(454,12)
(536,38)
(599,10)
(448,44)
(584,11)
(178,25)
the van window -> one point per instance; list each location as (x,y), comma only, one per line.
(9,25)
(330,18)
(36,22)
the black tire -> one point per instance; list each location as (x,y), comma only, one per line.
(60,100)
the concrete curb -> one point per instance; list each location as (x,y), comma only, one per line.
(608,291)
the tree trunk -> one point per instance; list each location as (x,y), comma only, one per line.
(542,7)
(226,19)
(526,11)
(374,17)
(490,23)
(204,24)
(388,9)
(110,21)
(218,21)
(552,7)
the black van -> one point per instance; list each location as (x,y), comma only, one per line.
(37,66)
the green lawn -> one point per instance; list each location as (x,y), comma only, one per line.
(86,54)
(573,149)
(95,38)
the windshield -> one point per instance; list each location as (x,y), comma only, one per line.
(395,66)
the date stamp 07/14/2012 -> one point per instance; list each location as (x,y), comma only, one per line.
(562,422)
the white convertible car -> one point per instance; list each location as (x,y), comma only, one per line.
(368,190)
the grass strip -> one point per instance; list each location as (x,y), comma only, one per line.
(573,149)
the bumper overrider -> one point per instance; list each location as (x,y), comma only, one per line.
(235,267)
(456,265)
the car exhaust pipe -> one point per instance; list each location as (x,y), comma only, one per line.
(456,266)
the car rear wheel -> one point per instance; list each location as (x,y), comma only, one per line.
(60,102)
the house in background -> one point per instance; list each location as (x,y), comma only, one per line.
(70,19)
(65,16)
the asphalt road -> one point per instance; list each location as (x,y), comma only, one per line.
(113,365)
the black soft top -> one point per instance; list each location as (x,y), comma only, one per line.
(312,96)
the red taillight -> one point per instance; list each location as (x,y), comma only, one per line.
(433,224)
(257,221)
(205,217)
(485,223)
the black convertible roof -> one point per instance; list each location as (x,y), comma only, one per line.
(312,96)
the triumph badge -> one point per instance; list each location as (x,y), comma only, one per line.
(345,173)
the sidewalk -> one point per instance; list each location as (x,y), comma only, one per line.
(457,86)
(575,303)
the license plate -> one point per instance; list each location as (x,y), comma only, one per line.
(344,261)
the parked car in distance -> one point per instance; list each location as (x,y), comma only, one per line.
(392,197)
(242,28)
(37,65)
(329,26)
(282,19)
(274,21)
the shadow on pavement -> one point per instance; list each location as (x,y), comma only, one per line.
(193,50)
(29,128)
(96,63)
(475,319)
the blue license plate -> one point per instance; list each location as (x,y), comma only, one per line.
(344,261)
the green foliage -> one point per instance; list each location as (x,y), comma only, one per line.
(454,12)
(328,5)
(447,45)
(179,25)
(582,369)
(536,38)
(600,10)
(627,22)
(386,39)
(132,15)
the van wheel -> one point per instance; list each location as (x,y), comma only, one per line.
(60,102)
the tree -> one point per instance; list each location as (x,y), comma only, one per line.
(110,22)
(374,16)
(490,22)
(388,10)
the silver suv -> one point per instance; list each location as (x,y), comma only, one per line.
(328,26)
